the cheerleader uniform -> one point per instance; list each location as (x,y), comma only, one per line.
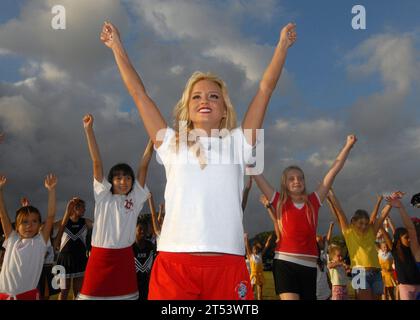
(110,272)
(144,255)
(203,214)
(291,273)
(72,254)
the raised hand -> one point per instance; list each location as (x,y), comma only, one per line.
(3,181)
(24,202)
(50,181)
(264,200)
(394,199)
(288,35)
(88,121)
(351,140)
(110,35)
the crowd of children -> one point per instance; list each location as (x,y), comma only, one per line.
(195,247)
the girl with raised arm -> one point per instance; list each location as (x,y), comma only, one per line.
(71,244)
(26,246)
(110,271)
(296,253)
(360,236)
(406,253)
(201,244)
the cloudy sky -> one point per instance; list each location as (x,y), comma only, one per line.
(336,81)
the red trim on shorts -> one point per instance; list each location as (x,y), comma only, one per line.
(110,272)
(28,295)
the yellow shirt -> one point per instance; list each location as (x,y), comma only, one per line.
(362,248)
(256,264)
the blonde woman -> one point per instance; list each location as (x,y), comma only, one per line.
(201,246)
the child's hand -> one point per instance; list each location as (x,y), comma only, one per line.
(264,200)
(288,35)
(110,35)
(88,121)
(3,181)
(50,181)
(24,202)
(351,140)
(379,197)
(394,199)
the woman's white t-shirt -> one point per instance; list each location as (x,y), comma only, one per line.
(203,206)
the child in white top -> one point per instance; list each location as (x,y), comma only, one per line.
(110,272)
(338,273)
(26,247)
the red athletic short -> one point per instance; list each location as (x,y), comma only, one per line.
(28,295)
(110,274)
(183,276)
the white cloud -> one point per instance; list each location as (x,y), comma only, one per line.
(18,116)
(214,28)
(392,56)
(316,160)
(77,49)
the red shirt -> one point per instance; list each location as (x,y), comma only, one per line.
(299,227)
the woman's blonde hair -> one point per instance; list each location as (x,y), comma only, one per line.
(284,196)
(181,110)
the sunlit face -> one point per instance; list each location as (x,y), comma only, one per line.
(122,183)
(29,226)
(384,247)
(206,106)
(361,225)
(337,256)
(405,240)
(295,182)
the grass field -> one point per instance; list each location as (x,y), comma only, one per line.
(270,294)
(268,289)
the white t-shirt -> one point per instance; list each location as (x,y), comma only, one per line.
(203,206)
(116,215)
(256,258)
(22,265)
